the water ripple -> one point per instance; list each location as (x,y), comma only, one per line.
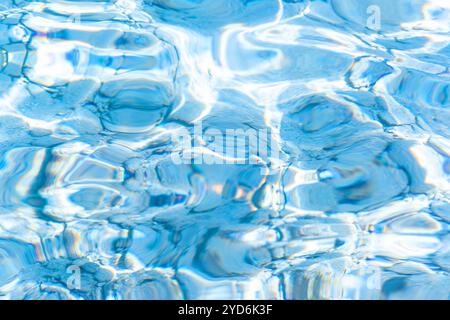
(350,201)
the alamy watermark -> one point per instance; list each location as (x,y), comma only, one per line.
(224,146)
(74,280)
(374,20)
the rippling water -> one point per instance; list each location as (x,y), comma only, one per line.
(355,95)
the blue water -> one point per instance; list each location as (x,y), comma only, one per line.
(100,198)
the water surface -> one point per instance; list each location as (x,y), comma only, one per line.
(351,202)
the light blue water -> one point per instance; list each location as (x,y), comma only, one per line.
(355,94)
